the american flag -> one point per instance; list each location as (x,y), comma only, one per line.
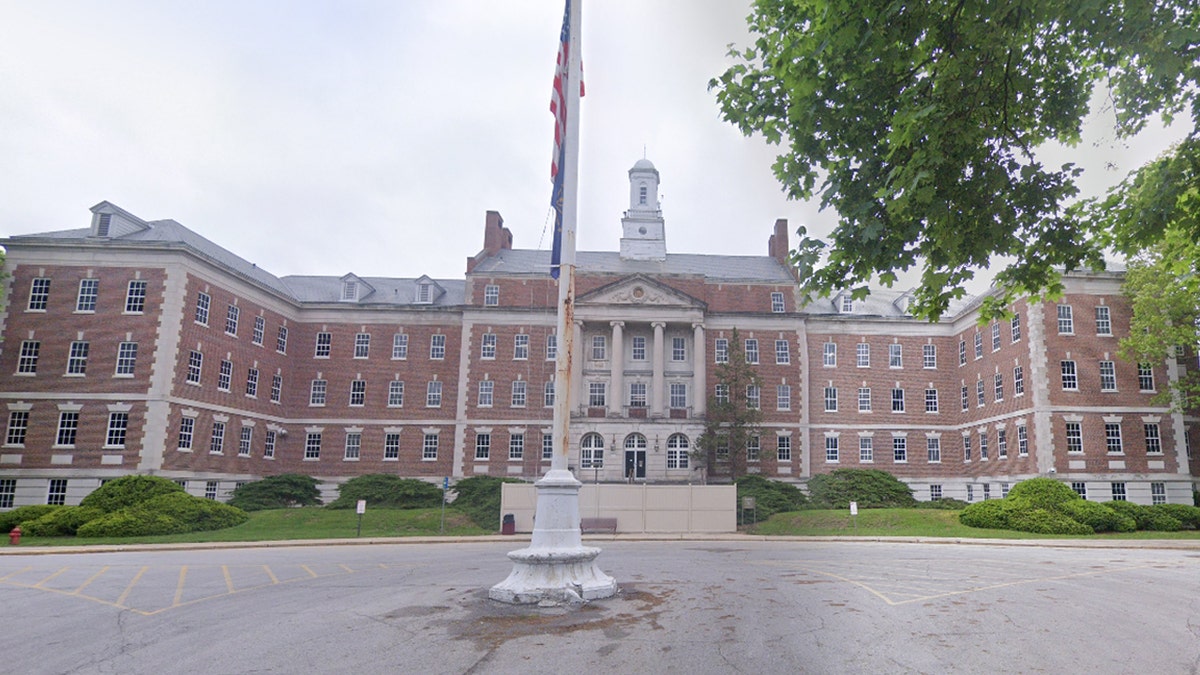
(558,107)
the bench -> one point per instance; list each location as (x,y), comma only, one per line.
(598,525)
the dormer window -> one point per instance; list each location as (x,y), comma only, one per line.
(102,224)
(847,306)
(349,291)
(424,293)
(642,192)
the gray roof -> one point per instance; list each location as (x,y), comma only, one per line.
(387,291)
(724,268)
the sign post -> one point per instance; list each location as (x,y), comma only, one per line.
(445,489)
(854,515)
(361,509)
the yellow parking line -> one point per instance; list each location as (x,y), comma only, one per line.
(347,568)
(129,589)
(310,572)
(228,578)
(39,584)
(13,574)
(179,587)
(270,574)
(91,579)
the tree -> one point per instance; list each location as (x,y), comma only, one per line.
(734,412)
(921,120)
(277,492)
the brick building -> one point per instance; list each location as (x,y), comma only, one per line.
(134,346)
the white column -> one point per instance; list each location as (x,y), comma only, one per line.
(578,390)
(617,394)
(656,380)
(699,370)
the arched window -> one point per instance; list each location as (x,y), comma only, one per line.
(677,452)
(635,442)
(591,451)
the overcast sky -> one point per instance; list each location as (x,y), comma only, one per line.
(371,136)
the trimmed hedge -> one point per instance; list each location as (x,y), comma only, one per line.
(175,513)
(770,496)
(1188,515)
(23,514)
(1098,516)
(128,490)
(871,488)
(277,492)
(1029,518)
(947,503)
(991,514)
(1147,517)
(387,491)
(61,522)
(1044,493)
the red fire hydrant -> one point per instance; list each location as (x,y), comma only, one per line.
(14,537)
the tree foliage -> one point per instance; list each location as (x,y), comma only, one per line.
(920,121)
(383,490)
(731,420)
(479,498)
(870,488)
(277,492)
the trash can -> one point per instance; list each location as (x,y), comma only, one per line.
(509,526)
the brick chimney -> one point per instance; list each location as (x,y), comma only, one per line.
(777,245)
(496,237)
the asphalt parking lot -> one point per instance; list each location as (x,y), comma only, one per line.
(685,606)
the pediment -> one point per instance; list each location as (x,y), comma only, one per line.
(639,290)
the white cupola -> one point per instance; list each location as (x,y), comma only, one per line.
(643,234)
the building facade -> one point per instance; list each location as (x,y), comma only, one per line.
(135,346)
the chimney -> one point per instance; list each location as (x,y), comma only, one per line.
(777,245)
(496,237)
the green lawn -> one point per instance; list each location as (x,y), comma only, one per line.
(303,523)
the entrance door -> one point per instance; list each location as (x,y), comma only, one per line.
(635,456)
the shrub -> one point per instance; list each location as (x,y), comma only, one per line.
(1147,517)
(277,492)
(61,522)
(991,514)
(947,503)
(1189,516)
(1043,493)
(1097,516)
(127,491)
(23,514)
(479,498)
(1029,518)
(770,496)
(871,488)
(195,513)
(130,524)
(387,491)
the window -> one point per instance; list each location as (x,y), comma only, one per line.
(1080,489)
(77,359)
(931,400)
(753,397)
(548,394)
(983,445)
(86,300)
(978,345)
(751,351)
(1158,493)
(362,345)
(1103,321)
(487,348)
(216,442)
(39,295)
(433,394)
(400,346)
(437,347)
(637,394)
(252,382)
(591,451)
(1015,326)
(244,441)
(1022,441)
(203,301)
(862,355)
(353,446)
(677,451)
(998,387)
(783,353)
(1153,440)
(1074,437)
(962,352)
(429,447)
(324,345)
(391,446)
(970,492)
(8,491)
(933,449)
(118,425)
(721,393)
(269,445)
(1145,377)
(281,340)
(831,449)
(519,393)
(987,491)
(642,191)
(599,348)
(18,427)
(1018,381)
(424,293)
(847,305)
(231,319)
(27,361)
(521,347)
(678,349)
(395,394)
(1070,381)
(831,399)
(829,355)
(276,388)
(929,356)
(722,451)
(678,395)
(783,448)
(548,447)
(596,394)
(639,348)
(1118,492)
(187,429)
(1066,322)
(358,392)
(866,449)
(224,375)
(56,495)
(899,449)
(1108,376)
(897,400)
(551,347)
(966,447)
(1112,438)
(1002,443)
(777,303)
(312,445)
(995,337)
(491,295)
(516,446)
(720,350)
(895,356)
(260,328)
(316,395)
(135,297)
(783,397)
(864,399)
